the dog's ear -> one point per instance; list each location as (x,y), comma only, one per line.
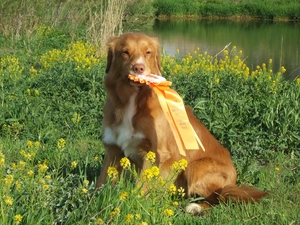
(110,53)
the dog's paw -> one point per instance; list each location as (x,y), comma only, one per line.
(194,209)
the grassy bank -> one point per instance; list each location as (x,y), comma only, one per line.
(51,100)
(250,9)
(91,20)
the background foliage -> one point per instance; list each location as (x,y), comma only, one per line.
(51,98)
(265,9)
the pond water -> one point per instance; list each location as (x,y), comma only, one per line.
(258,40)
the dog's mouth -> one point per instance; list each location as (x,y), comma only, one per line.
(141,79)
(133,81)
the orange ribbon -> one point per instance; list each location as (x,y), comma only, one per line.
(173,107)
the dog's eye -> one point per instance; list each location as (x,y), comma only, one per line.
(125,52)
(148,52)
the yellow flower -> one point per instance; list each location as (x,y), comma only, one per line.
(144,223)
(18,218)
(22,164)
(147,175)
(8,200)
(123,196)
(112,172)
(74,164)
(179,165)
(181,192)
(61,143)
(85,183)
(150,156)
(29,144)
(76,118)
(8,180)
(125,163)
(37,144)
(33,71)
(96,158)
(84,190)
(115,212)
(172,189)
(161,181)
(155,171)
(169,212)
(42,168)
(46,186)
(129,218)
(298,80)
(150,173)
(30,173)
(18,185)
(42,181)
(22,152)
(277,169)
(2,159)
(175,203)
(99,221)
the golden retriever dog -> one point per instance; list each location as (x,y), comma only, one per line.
(134,124)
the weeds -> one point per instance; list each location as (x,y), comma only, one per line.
(50,128)
(100,19)
(266,9)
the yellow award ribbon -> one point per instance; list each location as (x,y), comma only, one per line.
(174,110)
(173,107)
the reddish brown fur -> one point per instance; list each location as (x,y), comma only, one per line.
(210,173)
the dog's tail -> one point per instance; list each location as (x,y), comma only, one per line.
(239,194)
(229,193)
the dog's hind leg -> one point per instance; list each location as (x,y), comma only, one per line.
(205,178)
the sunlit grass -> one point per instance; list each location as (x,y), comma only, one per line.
(51,153)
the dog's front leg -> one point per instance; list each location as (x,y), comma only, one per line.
(113,155)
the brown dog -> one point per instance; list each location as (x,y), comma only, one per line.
(134,124)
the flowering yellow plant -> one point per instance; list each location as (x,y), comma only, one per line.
(61,143)
(169,212)
(150,156)
(112,172)
(124,195)
(80,53)
(125,163)
(148,174)
(177,166)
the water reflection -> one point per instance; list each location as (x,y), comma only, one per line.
(259,40)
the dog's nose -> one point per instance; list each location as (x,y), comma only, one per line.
(139,68)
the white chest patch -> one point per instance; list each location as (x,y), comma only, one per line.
(124,134)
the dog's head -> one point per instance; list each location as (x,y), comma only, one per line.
(133,53)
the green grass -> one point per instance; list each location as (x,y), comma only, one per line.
(51,100)
(264,9)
